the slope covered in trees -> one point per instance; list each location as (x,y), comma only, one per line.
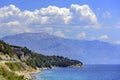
(6,49)
(38,60)
(34,59)
(21,60)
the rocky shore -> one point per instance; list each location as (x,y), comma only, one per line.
(29,75)
(77,65)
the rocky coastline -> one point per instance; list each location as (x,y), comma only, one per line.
(30,76)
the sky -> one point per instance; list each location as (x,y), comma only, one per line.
(74,19)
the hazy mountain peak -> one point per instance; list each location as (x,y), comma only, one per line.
(90,52)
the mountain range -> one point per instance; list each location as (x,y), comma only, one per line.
(89,52)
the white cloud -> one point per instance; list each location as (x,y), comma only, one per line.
(25,21)
(81,35)
(59,33)
(103,37)
(55,15)
(107,14)
(13,23)
(117,42)
(82,15)
(8,11)
(93,26)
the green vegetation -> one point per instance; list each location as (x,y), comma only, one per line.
(35,60)
(39,60)
(7,75)
(0,58)
(6,49)
(15,66)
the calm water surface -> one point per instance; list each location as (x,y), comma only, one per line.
(89,72)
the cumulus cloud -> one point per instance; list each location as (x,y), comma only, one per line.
(103,37)
(82,15)
(15,20)
(81,35)
(59,33)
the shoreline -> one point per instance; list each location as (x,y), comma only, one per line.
(29,75)
(39,70)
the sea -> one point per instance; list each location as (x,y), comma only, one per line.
(88,72)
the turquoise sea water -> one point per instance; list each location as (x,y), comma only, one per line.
(90,72)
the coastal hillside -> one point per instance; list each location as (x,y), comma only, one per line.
(16,63)
(89,52)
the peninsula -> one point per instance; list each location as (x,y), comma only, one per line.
(17,63)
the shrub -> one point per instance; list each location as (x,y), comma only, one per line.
(15,66)
(7,75)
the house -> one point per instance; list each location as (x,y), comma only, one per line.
(16,50)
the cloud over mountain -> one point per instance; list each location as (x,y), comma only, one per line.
(13,20)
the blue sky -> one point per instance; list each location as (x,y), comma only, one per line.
(76,19)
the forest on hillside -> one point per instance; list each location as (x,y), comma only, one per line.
(36,59)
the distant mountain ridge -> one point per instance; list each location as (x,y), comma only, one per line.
(89,52)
